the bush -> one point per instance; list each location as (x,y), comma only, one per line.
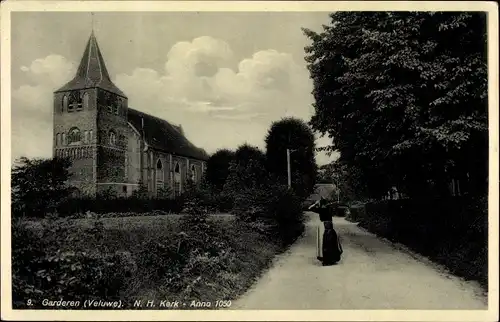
(452,231)
(41,269)
(273,205)
(39,185)
(72,206)
(356,213)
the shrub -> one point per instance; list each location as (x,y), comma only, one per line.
(356,213)
(222,202)
(452,231)
(72,206)
(42,269)
(39,185)
(273,205)
(218,168)
(296,135)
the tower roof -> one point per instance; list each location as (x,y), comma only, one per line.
(92,71)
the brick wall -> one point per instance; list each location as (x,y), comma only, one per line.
(82,153)
(133,162)
(111,158)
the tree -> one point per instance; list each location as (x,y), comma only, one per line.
(325,173)
(293,134)
(142,192)
(218,168)
(247,152)
(403,95)
(347,182)
(247,171)
(38,185)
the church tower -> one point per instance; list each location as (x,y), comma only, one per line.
(90,124)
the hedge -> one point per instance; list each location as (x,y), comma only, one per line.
(451,231)
(356,213)
(73,206)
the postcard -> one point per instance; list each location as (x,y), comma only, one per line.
(260,160)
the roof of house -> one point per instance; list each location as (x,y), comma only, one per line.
(324,190)
(161,135)
(92,71)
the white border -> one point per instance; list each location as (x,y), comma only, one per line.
(343,315)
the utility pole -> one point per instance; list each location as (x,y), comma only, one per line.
(288,168)
(337,187)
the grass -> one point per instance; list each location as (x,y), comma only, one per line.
(150,244)
(126,222)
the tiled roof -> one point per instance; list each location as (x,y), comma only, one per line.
(161,135)
(92,71)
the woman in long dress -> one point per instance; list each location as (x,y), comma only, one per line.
(329,249)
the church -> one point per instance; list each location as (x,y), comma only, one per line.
(114,148)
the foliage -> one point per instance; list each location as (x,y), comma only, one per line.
(141,192)
(276,209)
(42,270)
(246,153)
(403,95)
(164,192)
(245,176)
(325,174)
(165,260)
(348,180)
(452,231)
(293,134)
(218,168)
(39,185)
(106,194)
(356,213)
(124,205)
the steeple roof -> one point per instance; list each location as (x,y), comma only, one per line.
(92,71)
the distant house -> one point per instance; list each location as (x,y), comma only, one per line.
(325,190)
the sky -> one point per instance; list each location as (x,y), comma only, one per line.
(225,77)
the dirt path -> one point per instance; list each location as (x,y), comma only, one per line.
(373,274)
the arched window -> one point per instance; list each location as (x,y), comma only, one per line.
(86,137)
(58,139)
(74,136)
(64,142)
(91,136)
(193,173)
(112,138)
(75,102)
(86,100)
(65,103)
(177,180)
(159,175)
(122,140)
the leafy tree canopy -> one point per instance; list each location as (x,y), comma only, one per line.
(403,95)
(296,135)
(247,171)
(218,168)
(247,152)
(39,184)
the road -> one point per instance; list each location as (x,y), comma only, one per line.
(373,274)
